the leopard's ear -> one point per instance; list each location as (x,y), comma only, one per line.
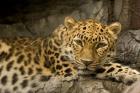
(115,28)
(69,22)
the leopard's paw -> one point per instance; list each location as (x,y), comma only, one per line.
(128,79)
(131,79)
(70,78)
(67,78)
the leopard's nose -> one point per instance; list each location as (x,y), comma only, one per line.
(87,62)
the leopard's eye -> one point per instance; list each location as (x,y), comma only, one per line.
(78,42)
(100,45)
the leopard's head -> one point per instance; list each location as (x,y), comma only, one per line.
(84,43)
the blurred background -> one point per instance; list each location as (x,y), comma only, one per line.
(40,17)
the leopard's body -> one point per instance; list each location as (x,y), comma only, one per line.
(75,48)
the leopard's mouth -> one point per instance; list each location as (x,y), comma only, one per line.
(83,69)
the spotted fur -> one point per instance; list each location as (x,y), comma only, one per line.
(74,48)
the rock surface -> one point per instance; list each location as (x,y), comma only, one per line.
(128,51)
(41,19)
(82,85)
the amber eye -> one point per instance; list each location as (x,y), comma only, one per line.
(78,42)
(100,45)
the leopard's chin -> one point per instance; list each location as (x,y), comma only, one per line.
(91,69)
(85,72)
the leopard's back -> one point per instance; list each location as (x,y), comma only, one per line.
(21,63)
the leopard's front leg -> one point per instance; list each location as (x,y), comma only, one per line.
(117,72)
(67,72)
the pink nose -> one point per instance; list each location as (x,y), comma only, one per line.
(86,62)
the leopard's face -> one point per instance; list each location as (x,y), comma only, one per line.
(87,42)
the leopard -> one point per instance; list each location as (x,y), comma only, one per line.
(75,48)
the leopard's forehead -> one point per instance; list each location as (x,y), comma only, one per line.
(89,29)
(90,26)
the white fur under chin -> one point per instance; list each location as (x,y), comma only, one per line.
(85,72)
